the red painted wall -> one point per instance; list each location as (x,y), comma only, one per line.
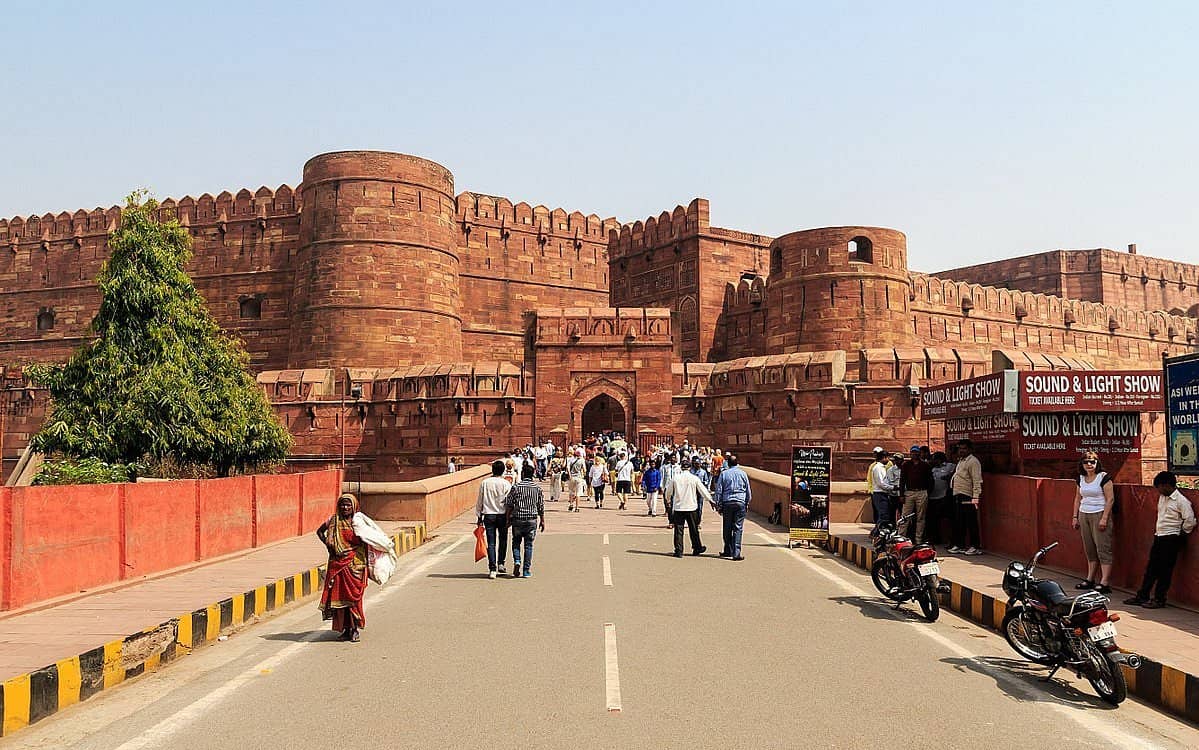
(226,515)
(64,539)
(56,541)
(1022,514)
(160,526)
(277,512)
(321,489)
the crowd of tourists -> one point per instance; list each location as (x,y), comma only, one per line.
(675,481)
(933,488)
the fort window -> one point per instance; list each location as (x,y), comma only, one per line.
(861,250)
(250,308)
(45,320)
(776,260)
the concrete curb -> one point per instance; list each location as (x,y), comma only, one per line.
(31,697)
(1163,686)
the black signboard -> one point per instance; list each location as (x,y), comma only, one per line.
(811,483)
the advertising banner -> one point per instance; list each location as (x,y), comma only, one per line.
(1182,414)
(991,428)
(1106,391)
(811,482)
(1069,435)
(990,394)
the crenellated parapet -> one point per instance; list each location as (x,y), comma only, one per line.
(581,326)
(962,300)
(663,231)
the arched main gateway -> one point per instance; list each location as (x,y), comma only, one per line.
(602,369)
(604,413)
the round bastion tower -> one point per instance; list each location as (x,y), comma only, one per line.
(839,288)
(377,270)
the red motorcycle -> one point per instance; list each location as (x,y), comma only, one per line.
(904,570)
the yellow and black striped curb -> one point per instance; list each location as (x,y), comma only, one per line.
(1161,685)
(31,697)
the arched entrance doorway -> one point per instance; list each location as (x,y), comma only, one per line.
(603,413)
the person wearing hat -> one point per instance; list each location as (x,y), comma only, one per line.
(915,482)
(876,485)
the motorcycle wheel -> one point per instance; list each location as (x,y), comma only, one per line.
(1106,677)
(930,601)
(885,574)
(1013,632)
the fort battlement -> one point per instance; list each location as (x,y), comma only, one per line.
(656,232)
(915,310)
(1096,275)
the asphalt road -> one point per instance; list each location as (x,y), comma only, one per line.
(783,650)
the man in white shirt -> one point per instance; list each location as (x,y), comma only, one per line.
(1175,517)
(683,496)
(540,456)
(624,478)
(493,516)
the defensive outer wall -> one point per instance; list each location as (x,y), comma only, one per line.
(396,323)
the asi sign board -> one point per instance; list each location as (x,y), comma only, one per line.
(990,394)
(1182,414)
(1098,391)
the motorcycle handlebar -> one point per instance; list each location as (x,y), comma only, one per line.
(1041,552)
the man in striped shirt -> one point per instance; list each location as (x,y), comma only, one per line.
(526,514)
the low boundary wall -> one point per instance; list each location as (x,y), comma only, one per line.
(61,540)
(434,501)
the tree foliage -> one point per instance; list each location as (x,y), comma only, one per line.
(161,381)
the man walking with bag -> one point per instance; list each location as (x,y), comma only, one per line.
(490,510)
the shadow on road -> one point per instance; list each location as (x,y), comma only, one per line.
(873,607)
(459,575)
(306,636)
(649,552)
(1030,682)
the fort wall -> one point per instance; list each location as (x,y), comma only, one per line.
(517,257)
(1097,275)
(242,250)
(678,261)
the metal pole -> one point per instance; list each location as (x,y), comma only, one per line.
(3,429)
(341,418)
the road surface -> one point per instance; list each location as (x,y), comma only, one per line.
(613,643)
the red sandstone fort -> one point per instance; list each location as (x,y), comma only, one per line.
(390,318)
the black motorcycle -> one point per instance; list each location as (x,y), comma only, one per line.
(1047,626)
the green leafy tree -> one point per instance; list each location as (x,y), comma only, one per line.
(161,382)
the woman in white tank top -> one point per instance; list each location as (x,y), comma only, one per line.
(1093,502)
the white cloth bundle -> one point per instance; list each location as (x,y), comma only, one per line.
(380,549)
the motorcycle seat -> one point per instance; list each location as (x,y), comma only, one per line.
(1051,593)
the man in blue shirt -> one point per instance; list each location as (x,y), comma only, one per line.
(732,496)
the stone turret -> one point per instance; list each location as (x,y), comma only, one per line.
(377,271)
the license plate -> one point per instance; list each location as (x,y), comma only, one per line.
(929,569)
(1102,632)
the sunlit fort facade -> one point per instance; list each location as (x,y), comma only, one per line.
(389,317)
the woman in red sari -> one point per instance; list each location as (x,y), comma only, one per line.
(345,576)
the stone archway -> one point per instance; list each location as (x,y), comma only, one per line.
(603,413)
(617,413)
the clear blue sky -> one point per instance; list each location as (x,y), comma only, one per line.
(982,130)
